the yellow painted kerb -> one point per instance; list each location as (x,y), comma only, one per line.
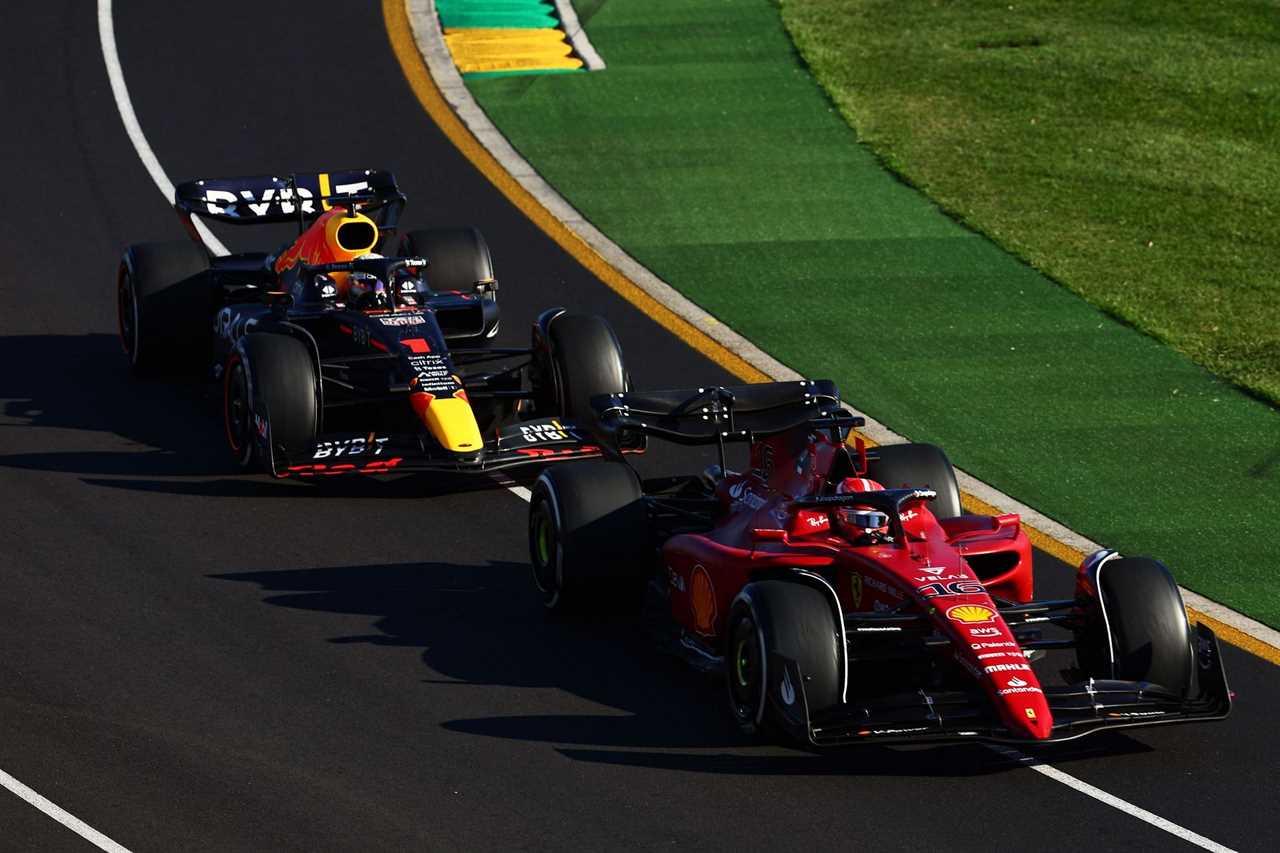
(415,72)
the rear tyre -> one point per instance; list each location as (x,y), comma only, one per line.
(1141,622)
(919,465)
(789,619)
(269,391)
(457,259)
(164,307)
(589,539)
(586,360)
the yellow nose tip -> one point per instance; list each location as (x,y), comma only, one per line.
(449,420)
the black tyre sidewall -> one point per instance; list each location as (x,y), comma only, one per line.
(170,329)
(282,382)
(794,620)
(1141,610)
(602,549)
(586,361)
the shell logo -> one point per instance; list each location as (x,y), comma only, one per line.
(971,614)
(702,600)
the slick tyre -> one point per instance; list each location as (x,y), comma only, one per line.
(457,259)
(271,387)
(918,465)
(589,542)
(787,619)
(586,360)
(164,308)
(1138,628)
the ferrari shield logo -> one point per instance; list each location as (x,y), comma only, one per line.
(855,589)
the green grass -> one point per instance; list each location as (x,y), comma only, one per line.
(708,151)
(1129,150)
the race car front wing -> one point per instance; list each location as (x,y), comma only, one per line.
(528,442)
(926,716)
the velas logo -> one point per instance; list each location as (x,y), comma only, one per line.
(933,570)
(970,614)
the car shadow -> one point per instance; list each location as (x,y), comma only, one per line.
(484,625)
(169,430)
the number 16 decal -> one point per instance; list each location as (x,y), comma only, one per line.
(930,590)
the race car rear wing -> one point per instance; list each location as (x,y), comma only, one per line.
(720,415)
(265,199)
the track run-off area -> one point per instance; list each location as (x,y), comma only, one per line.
(198,660)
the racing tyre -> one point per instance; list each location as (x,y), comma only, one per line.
(589,539)
(1140,622)
(458,258)
(586,360)
(269,389)
(165,307)
(787,619)
(919,465)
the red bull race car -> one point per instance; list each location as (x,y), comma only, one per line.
(335,358)
(842,593)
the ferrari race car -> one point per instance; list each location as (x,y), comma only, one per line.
(843,593)
(337,359)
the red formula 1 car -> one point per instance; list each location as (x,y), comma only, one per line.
(844,594)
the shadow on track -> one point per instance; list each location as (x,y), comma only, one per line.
(170,428)
(483,625)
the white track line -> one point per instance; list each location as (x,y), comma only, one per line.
(61,815)
(107,35)
(1113,801)
(578,36)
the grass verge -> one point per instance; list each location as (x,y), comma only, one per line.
(1129,150)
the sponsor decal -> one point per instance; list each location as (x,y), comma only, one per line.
(372,445)
(880,607)
(260,424)
(702,600)
(549,452)
(1001,644)
(1136,713)
(1007,667)
(232,325)
(403,320)
(855,588)
(960,576)
(907,516)
(990,655)
(535,433)
(910,731)
(373,466)
(930,570)
(970,614)
(984,632)
(282,197)
(787,690)
(960,587)
(433,374)
(881,586)
(1017,685)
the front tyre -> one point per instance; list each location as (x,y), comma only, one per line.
(1136,627)
(589,542)
(586,360)
(269,395)
(770,621)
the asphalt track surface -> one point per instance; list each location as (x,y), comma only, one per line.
(196,660)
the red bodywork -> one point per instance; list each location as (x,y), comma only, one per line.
(949,570)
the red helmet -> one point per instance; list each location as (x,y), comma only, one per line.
(858,521)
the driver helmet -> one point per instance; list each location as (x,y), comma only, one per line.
(365,291)
(850,516)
